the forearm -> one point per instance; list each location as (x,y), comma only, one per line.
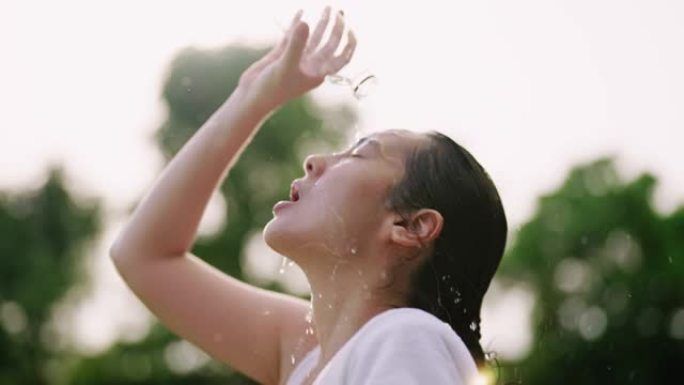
(165,222)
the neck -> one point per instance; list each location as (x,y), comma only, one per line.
(343,301)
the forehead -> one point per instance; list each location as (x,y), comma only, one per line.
(398,143)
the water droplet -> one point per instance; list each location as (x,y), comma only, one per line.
(457,300)
(473,326)
(338,79)
(353,250)
(669,258)
(283,264)
(292,359)
(320,295)
(266,312)
(330,306)
(332,275)
(383,275)
(445,277)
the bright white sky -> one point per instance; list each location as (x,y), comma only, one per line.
(531,87)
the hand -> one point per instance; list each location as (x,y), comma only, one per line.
(295,66)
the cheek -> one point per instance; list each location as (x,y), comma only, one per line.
(331,216)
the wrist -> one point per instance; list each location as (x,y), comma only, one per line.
(250,102)
(262,100)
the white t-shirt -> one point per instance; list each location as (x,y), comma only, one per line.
(404,346)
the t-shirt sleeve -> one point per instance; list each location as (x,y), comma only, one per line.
(409,354)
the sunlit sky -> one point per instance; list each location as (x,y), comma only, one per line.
(530,87)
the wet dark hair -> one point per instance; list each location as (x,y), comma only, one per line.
(453,279)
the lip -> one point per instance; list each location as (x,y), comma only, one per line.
(282,205)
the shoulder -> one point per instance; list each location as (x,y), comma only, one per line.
(410,343)
(410,325)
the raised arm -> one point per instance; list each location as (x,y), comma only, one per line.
(241,325)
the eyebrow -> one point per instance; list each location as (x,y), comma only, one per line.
(364,140)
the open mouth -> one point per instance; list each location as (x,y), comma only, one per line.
(294,193)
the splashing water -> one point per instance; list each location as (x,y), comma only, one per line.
(283,264)
(309,314)
(361,84)
(473,326)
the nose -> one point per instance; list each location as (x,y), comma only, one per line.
(314,165)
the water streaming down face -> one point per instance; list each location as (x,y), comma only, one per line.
(336,220)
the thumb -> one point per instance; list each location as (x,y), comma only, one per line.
(295,46)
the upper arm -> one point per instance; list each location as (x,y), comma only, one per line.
(234,322)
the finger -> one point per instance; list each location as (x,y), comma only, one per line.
(276,51)
(297,18)
(318,32)
(296,45)
(341,60)
(335,36)
(270,56)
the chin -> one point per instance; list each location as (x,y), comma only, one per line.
(294,242)
(282,237)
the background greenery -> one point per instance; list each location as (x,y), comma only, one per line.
(606,269)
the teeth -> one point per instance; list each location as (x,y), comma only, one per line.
(294,195)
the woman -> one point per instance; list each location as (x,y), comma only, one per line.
(399,237)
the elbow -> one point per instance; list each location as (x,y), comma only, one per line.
(121,254)
(116,254)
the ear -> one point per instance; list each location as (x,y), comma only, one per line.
(423,226)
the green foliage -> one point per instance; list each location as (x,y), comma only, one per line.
(607,272)
(44,236)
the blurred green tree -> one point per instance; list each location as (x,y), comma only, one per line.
(45,234)
(197,84)
(608,275)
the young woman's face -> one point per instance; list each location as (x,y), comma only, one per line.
(339,204)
